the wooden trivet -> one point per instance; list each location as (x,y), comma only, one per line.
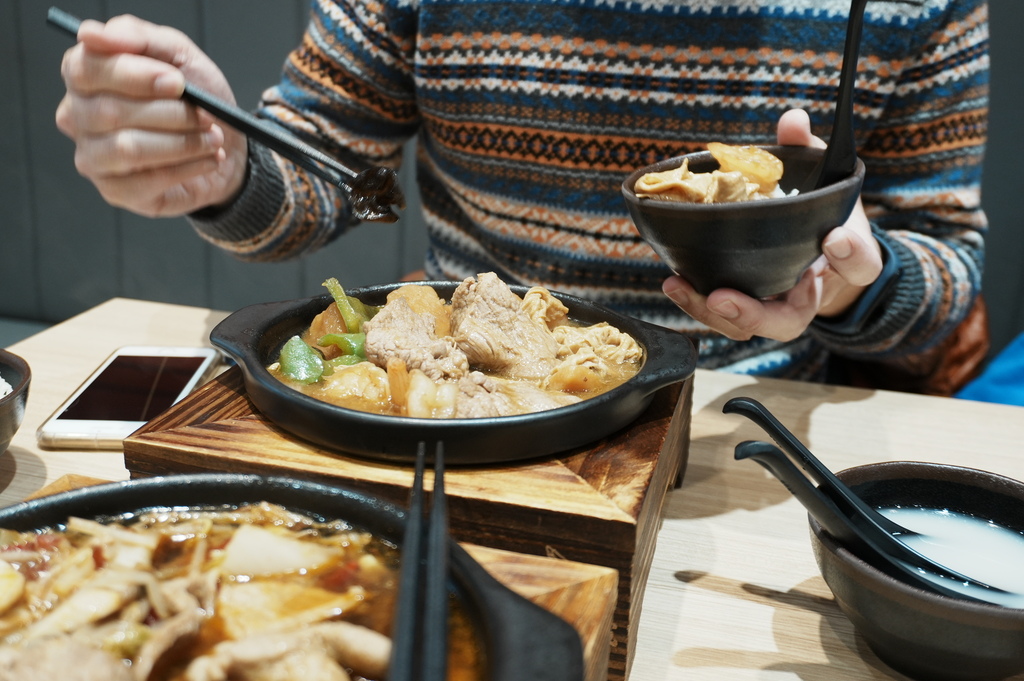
(598,504)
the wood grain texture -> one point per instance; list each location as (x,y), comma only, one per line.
(581,594)
(599,504)
(65,483)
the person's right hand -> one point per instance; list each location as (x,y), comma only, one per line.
(145,148)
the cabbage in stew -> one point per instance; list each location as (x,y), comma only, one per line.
(252,593)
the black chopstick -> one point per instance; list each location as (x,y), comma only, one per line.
(420,632)
(272,136)
(263,131)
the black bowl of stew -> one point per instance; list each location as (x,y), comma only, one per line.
(254,335)
(515,637)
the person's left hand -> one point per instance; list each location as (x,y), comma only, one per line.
(851,262)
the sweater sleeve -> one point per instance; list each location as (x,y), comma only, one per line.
(923,187)
(347,90)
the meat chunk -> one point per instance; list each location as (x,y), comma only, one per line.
(274,656)
(496,334)
(592,358)
(544,308)
(166,635)
(602,338)
(424,300)
(62,658)
(481,396)
(399,332)
(190,598)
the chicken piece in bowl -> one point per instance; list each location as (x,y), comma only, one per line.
(759,246)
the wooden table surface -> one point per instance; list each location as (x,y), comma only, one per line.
(733,592)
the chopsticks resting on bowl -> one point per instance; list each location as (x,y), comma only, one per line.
(420,632)
(372,193)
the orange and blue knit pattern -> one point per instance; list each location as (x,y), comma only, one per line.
(530,113)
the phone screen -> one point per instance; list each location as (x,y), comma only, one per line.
(133,388)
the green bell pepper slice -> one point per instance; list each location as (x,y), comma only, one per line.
(300,362)
(344,360)
(352,317)
(348,343)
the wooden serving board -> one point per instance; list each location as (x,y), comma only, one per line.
(599,504)
(581,594)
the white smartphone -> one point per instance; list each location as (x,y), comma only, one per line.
(128,389)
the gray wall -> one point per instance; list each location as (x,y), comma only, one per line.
(63,249)
(1002,192)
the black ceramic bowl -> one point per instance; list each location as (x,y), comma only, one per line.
(916,632)
(253,337)
(519,638)
(757,247)
(16,372)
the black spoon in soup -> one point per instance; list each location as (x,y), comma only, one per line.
(859,522)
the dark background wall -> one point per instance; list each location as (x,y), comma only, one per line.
(63,249)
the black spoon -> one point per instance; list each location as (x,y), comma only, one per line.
(868,522)
(880,549)
(840,157)
(372,193)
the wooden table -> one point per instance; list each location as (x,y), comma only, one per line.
(733,592)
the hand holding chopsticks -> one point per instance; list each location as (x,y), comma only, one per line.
(373,193)
(420,632)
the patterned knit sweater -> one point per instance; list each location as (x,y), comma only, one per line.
(530,113)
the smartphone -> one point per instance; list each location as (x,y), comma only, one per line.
(128,389)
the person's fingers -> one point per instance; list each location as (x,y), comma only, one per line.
(130,151)
(168,190)
(129,34)
(86,72)
(783,318)
(144,148)
(794,129)
(694,304)
(119,34)
(105,114)
(854,262)
(854,258)
(138,59)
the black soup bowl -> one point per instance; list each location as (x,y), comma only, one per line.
(16,372)
(254,335)
(518,638)
(757,247)
(917,632)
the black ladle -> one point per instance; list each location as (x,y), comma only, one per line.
(372,192)
(859,524)
(877,548)
(840,157)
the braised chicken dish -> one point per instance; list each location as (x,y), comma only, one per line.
(251,593)
(487,352)
(745,173)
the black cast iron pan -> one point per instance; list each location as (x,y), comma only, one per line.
(519,638)
(253,337)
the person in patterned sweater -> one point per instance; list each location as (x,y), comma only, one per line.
(528,116)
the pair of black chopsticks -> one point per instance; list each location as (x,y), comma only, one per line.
(420,633)
(372,192)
